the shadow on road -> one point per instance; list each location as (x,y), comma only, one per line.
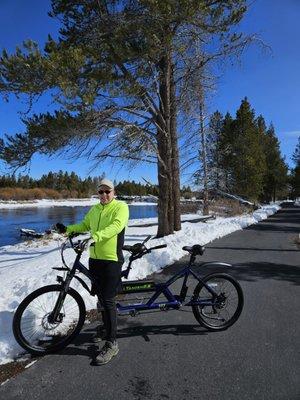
(251,271)
(285,217)
(249,248)
(83,346)
(274,228)
(148,330)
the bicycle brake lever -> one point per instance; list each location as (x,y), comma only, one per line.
(147,238)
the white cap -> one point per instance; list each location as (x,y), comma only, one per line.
(106,182)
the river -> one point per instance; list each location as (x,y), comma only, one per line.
(40,219)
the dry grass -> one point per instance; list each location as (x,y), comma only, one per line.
(190,208)
(93,315)
(19,194)
(228,208)
(218,207)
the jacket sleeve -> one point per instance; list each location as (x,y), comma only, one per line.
(118,224)
(83,226)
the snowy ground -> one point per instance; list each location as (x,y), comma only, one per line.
(48,203)
(27,266)
(58,203)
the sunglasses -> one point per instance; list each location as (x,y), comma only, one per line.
(104,191)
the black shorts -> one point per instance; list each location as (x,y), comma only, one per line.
(108,276)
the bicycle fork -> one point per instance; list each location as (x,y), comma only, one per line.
(56,315)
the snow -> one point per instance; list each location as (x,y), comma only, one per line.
(235,197)
(49,203)
(61,203)
(27,266)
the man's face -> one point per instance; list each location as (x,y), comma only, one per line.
(106,194)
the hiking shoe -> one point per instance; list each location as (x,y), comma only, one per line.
(108,351)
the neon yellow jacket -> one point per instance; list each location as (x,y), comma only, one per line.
(106,223)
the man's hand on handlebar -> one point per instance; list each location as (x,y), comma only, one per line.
(80,245)
(61,228)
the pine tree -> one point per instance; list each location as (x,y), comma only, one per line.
(215,169)
(249,162)
(296,154)
(226,153)
(113,69)
(275,177)
(295,176)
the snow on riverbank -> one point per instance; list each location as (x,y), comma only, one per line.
(27,266)
(7,205)
(49,203)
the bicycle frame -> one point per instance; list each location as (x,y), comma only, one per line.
(173,301)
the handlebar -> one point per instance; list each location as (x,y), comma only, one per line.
(78,247)
(160,246)
(139,249)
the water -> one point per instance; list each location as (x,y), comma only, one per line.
(41,219)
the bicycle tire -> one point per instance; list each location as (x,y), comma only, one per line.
(56,345)
(207,320)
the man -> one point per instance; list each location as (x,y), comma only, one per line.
(106,221)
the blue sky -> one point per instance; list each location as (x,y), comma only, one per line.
(270,81)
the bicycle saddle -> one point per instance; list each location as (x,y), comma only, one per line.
(196,250)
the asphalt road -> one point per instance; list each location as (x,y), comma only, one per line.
(167,355)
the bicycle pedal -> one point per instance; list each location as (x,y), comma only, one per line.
(133,313)
(164,307)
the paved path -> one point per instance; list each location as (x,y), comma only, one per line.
(169,356)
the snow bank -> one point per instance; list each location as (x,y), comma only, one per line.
(27,266)
(49,203)
(60,203)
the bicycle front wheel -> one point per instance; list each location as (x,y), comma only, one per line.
(218,312)
(35,330)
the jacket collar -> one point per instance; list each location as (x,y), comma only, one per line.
(107,206)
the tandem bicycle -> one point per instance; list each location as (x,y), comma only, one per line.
(50,318)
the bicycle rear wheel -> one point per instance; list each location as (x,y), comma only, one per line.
(222,311)
(32,325)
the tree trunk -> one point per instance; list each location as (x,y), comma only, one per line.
(204,161)
(163,197)
(175,155)
(165,204)
(168,158)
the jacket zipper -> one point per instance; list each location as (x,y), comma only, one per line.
(98,227)
(103,206)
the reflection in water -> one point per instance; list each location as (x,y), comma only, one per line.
(41,219)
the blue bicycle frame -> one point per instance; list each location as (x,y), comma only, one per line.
(172,301)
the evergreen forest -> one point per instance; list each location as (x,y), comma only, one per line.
(243,157)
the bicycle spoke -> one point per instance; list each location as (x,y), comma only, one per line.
(224,307)
(37,329)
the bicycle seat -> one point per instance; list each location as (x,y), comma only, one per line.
(196,250)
